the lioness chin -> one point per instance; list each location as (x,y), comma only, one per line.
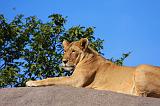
(91,70)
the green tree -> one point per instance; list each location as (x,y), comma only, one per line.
(31,49)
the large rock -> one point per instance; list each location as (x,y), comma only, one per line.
(69,96)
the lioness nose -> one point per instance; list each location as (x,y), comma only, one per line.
(65,61)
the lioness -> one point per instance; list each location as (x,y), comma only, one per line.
(91,70)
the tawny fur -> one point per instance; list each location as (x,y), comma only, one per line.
(91,70)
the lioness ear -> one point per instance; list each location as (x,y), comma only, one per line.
(84,42)
(65,43)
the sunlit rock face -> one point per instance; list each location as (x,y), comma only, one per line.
(69,96)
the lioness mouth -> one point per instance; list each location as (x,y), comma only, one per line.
(68,68)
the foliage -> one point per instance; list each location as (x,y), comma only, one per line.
(31,49)
(120,60)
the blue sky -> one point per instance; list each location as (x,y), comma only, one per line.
(125,25)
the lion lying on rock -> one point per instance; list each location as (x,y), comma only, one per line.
(91,70)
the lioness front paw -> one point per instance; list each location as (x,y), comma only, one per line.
(31,84)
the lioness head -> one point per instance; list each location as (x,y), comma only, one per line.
(73,53)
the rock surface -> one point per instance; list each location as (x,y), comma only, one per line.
(69,96)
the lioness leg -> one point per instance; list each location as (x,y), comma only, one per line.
(147,80)
(141,93)
(56,81)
